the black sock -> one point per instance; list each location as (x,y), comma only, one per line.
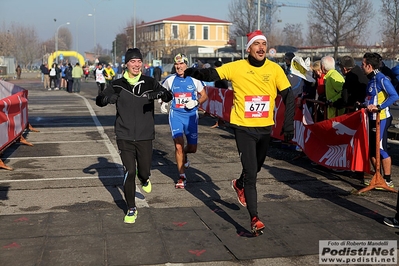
(387,178)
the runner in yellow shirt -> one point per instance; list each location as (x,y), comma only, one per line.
(110,74)
(256,82)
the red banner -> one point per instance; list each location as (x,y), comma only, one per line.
(340,143)
(13,113)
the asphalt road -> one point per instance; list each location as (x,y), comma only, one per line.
(63,203)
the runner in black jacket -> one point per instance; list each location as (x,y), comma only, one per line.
(134,96)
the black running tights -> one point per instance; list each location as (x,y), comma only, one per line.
(132,152)
(252,149)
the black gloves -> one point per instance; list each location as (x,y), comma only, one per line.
(102,100)
(154,95)
(113,98)
(164,95)
(193,72)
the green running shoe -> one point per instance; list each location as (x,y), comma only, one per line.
(130,217)
(147,187)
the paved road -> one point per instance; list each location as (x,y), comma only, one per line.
(63,205)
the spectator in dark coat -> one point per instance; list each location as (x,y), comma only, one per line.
(68,77)
(354,88)
(157,73)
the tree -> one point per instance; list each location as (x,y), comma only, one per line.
(119,46)
(390,26)
(27,46)
(244,15)
(315,36)
(64,39)
(341,21)
(7,43)
(292,34)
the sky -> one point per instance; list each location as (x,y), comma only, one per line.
(110,17)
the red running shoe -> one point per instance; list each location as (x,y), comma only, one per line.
(257,226)
(181,183)
(240,193)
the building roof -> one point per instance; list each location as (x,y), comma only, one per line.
(187,18)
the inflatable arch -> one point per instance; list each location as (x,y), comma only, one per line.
(54,55)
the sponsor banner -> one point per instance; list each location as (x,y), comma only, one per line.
(358,252)
(13,113)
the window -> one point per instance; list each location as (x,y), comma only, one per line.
(175,32)
(156,32)
(191,34)
(161,34)
(205,32)
(156,29)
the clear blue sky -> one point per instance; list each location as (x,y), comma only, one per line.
(111,16)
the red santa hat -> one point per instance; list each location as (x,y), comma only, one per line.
(253,36)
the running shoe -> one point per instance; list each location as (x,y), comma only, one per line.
(130,217)
(392,222)
(147,187)
(240,193)
(257,226)
(181,183)
(366,181)
(389,184)
(187,162)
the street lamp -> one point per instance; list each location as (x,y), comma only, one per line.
(56,41)
(134,24)
(77,33)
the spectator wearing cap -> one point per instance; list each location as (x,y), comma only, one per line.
(354,89)
(288,58)
(134,94)
(333,86)
(188,93)
(256,83)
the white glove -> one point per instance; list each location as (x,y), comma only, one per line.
(164,108)
(191,104)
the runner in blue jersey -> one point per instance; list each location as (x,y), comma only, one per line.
(381,94)
(188,94)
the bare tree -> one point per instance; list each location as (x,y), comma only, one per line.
(390,26)
(315,36)
(7,43)
(292,34)
(119,46)
(64,39)
(27,47)
(341,20)
(244,15)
